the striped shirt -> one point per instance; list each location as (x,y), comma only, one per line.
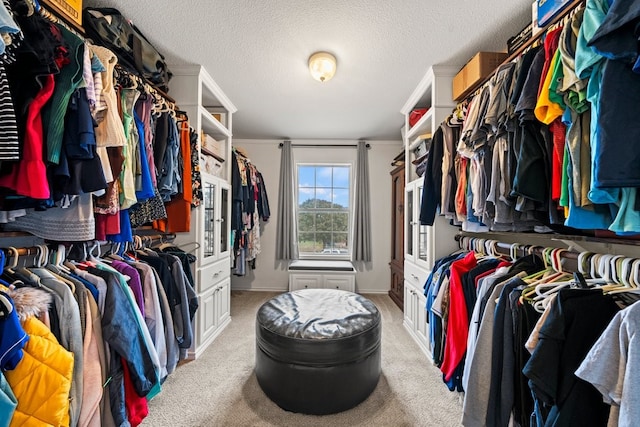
(9,143)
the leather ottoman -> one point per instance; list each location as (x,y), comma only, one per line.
(318,350)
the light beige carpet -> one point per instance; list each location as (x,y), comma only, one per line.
(220,389)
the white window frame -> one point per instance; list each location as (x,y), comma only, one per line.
(351,167)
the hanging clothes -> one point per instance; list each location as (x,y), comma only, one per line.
(249,206)
(610,363)
(43,377)
(178,217)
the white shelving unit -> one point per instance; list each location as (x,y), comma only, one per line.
(306,274)
(423,244)
(199,96)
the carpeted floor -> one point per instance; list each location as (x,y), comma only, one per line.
(220,389)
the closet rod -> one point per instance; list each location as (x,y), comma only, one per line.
(568,259)
(325,145)
(153,233)
(536,249)
(22,251)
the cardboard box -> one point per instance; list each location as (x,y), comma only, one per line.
(477,69)
(218,113)
(213,147)
(69,10)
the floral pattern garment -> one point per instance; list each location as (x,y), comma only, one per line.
(196,178)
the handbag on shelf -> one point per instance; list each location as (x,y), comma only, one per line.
(107,27)
(416,114)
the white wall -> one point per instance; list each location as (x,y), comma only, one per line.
(373,277)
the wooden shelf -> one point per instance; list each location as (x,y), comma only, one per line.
(529,43)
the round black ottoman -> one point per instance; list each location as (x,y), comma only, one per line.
(318,350)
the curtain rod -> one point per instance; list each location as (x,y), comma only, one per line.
(325,145)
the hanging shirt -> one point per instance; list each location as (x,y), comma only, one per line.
(146,190)
(589,65)
(67,81)
(179,208)
(575,88)
(458,327)
(29,176)
(9,144)
(611,363)
(169,175)
(127,175)
(577,319)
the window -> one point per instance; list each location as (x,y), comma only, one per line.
(324,210)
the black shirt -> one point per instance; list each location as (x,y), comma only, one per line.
(577,318)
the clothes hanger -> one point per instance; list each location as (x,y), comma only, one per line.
(539,277)
(584,260)
(513,251)
(629,279)
(58,257)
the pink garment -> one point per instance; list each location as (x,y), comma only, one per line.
(91,372)
(29,176)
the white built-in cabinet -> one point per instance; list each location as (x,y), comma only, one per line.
(423,244)
(199,96)
(314,274)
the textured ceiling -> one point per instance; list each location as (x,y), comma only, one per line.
(257,51)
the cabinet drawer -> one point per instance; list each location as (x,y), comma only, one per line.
(210,275)
(343,282)
(415,275)
(304,281)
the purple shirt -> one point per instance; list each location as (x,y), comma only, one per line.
(134,282)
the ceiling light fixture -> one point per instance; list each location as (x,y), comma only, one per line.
(322,66)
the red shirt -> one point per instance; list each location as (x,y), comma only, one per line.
(29,176)
(458,327)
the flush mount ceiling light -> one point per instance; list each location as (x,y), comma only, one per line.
(322,66)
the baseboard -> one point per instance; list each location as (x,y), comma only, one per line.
(373,291)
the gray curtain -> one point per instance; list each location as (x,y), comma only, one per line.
(362,212)
(286,238)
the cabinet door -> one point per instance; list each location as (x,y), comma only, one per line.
(223,306)
(207,317)
(222,221)
(397,216)
(422,238)
(421,320)
(397,286)
(409,234)
(216,224)
(409,306)
(208,248)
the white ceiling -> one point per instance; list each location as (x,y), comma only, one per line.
(257,51)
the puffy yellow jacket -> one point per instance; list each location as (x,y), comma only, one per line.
(42,379)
